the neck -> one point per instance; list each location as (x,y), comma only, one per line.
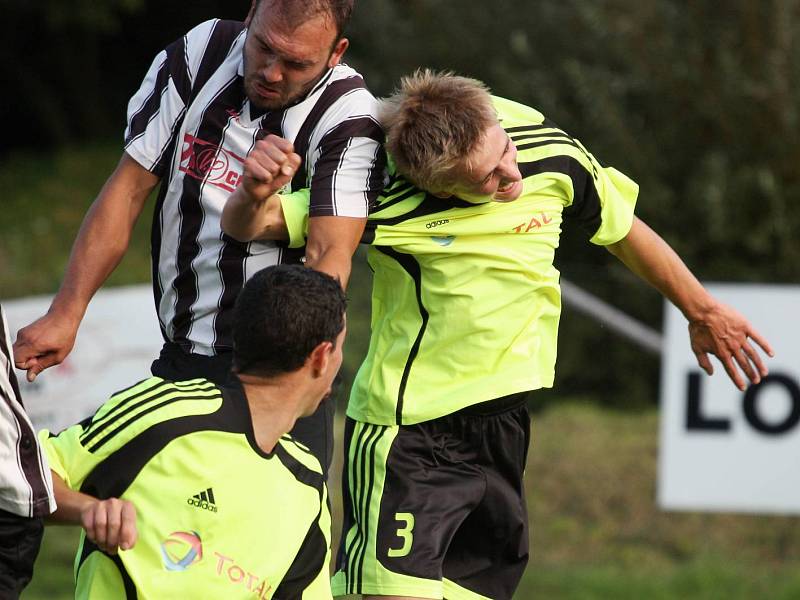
(275,404)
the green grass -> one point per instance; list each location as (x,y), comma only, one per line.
(52,574)
(702,579)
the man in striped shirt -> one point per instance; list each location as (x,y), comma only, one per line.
(26,491)
(206,101)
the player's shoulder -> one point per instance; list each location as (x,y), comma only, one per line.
(215,31)
(344,72)
(149,402)
(208,43)
(515,114)
(345,93)
(299,459)
(399,196)
(187,387)
(155,394)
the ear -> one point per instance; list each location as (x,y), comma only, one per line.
(319,358)
(338,52)
(250,13)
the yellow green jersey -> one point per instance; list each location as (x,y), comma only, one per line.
(466,299)
(217,517)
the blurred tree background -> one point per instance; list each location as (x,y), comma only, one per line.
(697,101)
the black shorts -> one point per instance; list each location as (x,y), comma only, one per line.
(315,431)
(20,539)
(437,509)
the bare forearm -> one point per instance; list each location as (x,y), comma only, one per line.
(714,327)
(101,243)
(331,244)
(647,255)
(70,503)
(246,220)
(109,523)
(103,237)
(334,262)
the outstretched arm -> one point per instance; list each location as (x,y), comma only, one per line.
(111,523)
(714,327)
(101,243)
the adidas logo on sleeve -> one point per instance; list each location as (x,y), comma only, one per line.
(204,500)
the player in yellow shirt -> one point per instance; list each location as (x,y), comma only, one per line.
(194,490)
(465,311)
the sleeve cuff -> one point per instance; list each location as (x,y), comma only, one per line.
(46,442)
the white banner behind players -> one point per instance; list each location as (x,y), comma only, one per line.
(726,450)
(117,341)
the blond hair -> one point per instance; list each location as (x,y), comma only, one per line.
(433,122)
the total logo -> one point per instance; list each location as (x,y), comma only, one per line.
(536,222)
(181,550)
(236,575)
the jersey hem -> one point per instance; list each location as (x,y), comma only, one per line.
(435,591)
(412,419)
(339,211)
(136,154)
(26,509)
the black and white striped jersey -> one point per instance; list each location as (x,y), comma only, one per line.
(191,124)
(26,488)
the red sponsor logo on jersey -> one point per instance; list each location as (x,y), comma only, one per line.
(210,163)
(536,222)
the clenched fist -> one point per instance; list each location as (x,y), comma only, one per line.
(270,165)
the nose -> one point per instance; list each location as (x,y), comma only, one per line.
(272,70)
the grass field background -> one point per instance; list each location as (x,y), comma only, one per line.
(591,477)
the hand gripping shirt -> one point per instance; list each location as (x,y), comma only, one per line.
(192,124)
(216,516)
(466,300)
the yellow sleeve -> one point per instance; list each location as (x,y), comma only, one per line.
(618,194)
(68,457)
(295,213)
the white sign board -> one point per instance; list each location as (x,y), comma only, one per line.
(726,450)
(117,340)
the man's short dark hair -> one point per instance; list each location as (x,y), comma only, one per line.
(298,11)
(282,314)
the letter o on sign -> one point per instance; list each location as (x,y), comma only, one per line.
(751,405)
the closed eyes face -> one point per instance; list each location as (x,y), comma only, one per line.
(490,172)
